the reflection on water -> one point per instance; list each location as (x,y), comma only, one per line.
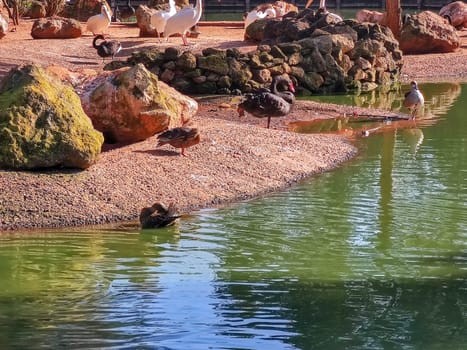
(370,256)
(438,100)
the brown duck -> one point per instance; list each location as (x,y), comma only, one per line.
(158,215)
(180,137)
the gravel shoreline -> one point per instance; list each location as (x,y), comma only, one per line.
(237,159)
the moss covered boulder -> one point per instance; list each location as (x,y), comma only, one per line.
(42,123)
(131,104)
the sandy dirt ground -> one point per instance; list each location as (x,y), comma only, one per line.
(237,159)
(19,47)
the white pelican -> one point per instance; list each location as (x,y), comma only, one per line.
(183,20)
(97,24)
(414,99)
(159,18)
(255,14)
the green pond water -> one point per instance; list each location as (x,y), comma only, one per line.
(372,255)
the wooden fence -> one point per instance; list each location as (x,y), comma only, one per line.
(246,5)
(219,6)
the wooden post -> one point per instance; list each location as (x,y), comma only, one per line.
(338,4)
(393,16)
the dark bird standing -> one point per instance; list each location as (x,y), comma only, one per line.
(158,215)
(106,48)
(267,104)
(414,99)
(180,137)
(125,12)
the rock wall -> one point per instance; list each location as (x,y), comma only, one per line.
(318,55)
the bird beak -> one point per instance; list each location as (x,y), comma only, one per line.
(308,3)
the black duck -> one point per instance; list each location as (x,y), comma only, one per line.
(267,104)
(106,48)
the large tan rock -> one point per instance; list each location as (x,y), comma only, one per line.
(456,13)
(131,104)
(56,28)
(427,32)
(143,20)
(371,16)
(42,123)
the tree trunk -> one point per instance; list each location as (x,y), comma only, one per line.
(393,16)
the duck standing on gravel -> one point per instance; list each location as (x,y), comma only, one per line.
(414,99)
(158,215)
(106,48)
(180,137)
(267,104)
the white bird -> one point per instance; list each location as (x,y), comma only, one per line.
(183,20)
(255,14)
(97,24)
(414,99)
(159,18)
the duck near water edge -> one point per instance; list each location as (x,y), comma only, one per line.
(414,99)
(270,103)
(158,215)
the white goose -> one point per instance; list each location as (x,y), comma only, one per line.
(97,24)
(183,20)
(159,18)
(255,14)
